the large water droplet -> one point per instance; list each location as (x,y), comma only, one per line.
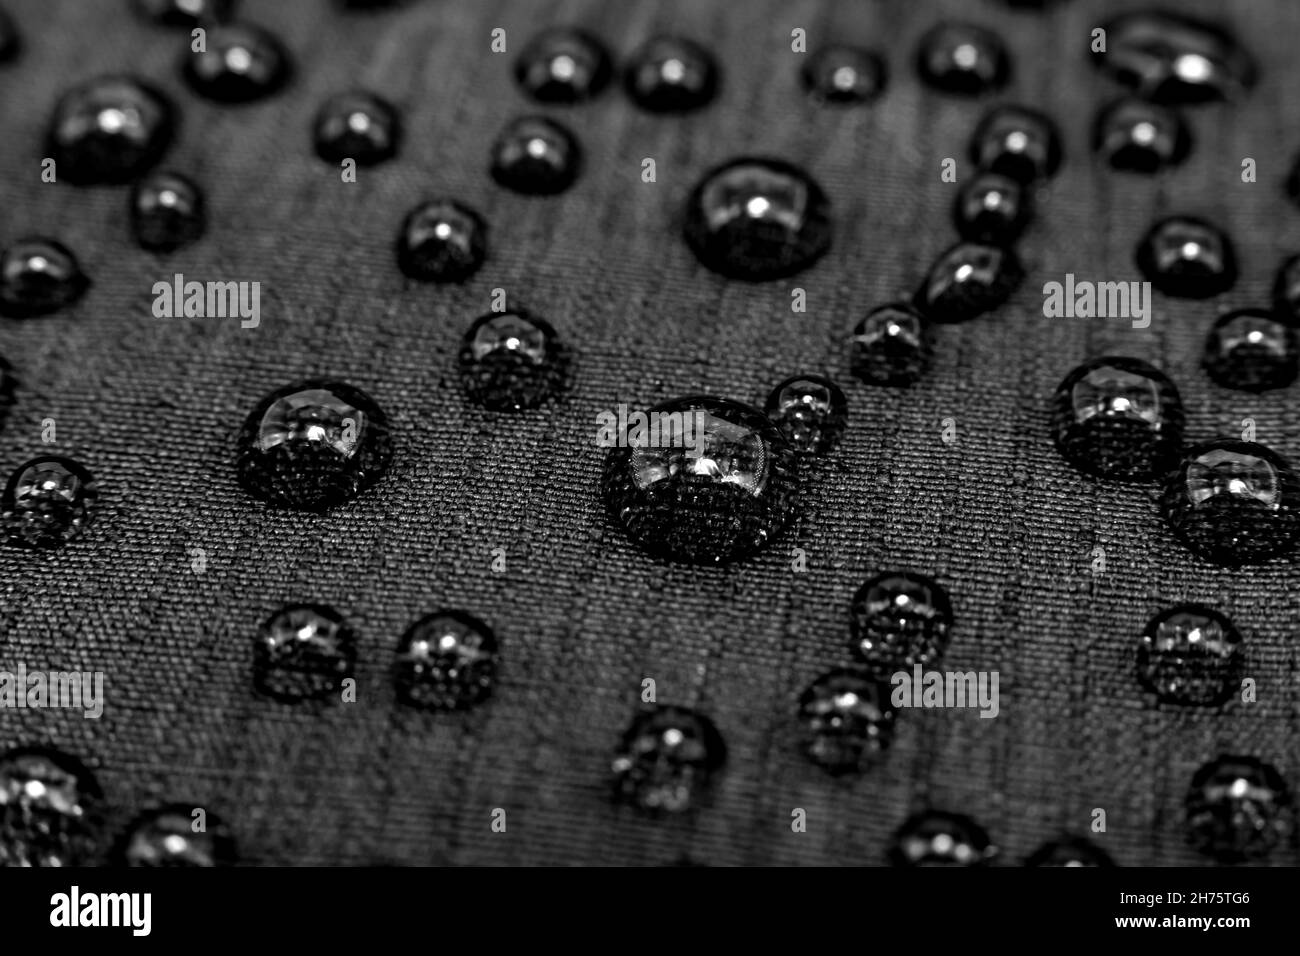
(49,809)
(719,486)
(758,219)
(967,280)
(1252,350)
(669,74)
(1286,291)
(240,63)
(898,620)
(11,41)
(536,156)
(1118,418)
(892,345)
(1233,502)
(667,758)
(47,502)
(109,130)
(843,74)
(563,65)
(1139,136)
(1017,142)
(1190,654)
(512,360)
(1170,58)
(847,718)
(185,13)
(963,58)
(938,838)
(39,276)
(446,661)
(1070,851)
(811,412)
(1188,258)
(166,836)
(313,445)
(358,126)
(167,211)
(441,241)
(1238,809)
(304,652)
(991,208)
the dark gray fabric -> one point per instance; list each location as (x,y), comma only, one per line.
(151,406)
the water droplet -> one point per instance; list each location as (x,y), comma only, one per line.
(758,219)
(185,13)
(167,211)
(1187,258)
(563,65)
(39,276)
(1252,350)
(303,652)
(313,445)
(1118,418)
(536,156)
(1233,502)
(1190,654)
(11,41)
(667,758)
(8,385)
(1170,58)
(1286,291)
(442,241)
(49,809)
(848,719)
(240,63)
(1238,809)
(47,502)
(967,280)
(165,836)
(963,58)
(1017,142)
(512,360)
(109,130)
(991,208)
(892,345)
(358,126)
(670,74)
(898,620)
(938,838)
(446,661)
(1070,851)
(844,74)
(811,412)
(1140,136)
(724,503)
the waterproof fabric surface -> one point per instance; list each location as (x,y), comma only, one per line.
(152,406)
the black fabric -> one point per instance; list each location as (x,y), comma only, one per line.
(152,406)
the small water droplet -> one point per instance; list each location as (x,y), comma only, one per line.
(991,208)
(563,65)
(1190,654)
(1070,851)
(938,838)
(1233,502)
(47,502)
(441,241)
(963,58)
(1188,258)
(898,620)
(758,219)
(239,64)
(1170,58)
(725,503)
(1017,142)
(892,345)
(165,836)
(844,75)
(811,412)
(50,807)
(446,661)
(358,126)
(39,276)
(1251,350)
(313,445)
(669,74)
(303,652)
(512,360)
(848,719)
(536,156)
(1238,809)
(109,130)
(1118,418)
(1139,136)
(167,211)
(967,280)
(667,758)
(185,13)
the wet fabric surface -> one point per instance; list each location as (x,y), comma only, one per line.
(152,406)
